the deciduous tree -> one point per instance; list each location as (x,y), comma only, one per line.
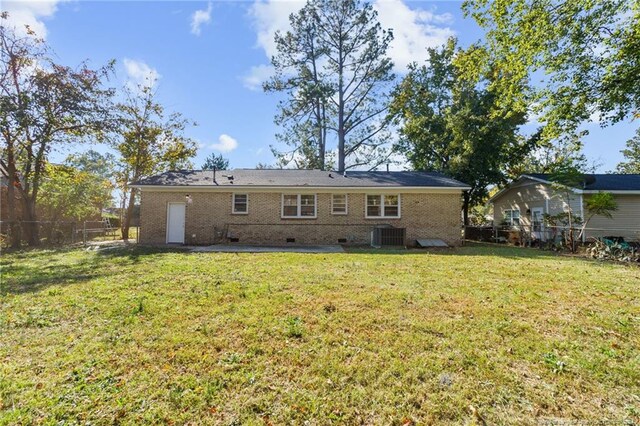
(585,53)
(632,156)
(94,162)
(42,104)
(149,142)
(68,193)
(453,125)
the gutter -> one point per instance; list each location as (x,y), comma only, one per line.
(226,188)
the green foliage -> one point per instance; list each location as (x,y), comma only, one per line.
(554,363)
(566,178)
(333,68)
(149,142)
(450,124)
(478,214)
(68,193)
(584,52)
(43,104)
(101,165)
(294,327)
(217,162)
(632,156)
(550,156)
(601,204)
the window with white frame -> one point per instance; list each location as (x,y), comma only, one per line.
(383,206)
(299,206)
(240,203)
(339,204)
(512,217)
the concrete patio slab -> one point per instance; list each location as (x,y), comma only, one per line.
(266,249)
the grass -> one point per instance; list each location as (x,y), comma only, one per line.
(146,336)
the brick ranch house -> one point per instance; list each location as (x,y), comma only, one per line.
(297,206)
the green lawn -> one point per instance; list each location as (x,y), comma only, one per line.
(142,336)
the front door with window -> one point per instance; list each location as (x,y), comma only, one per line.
(175,223)
(537,223)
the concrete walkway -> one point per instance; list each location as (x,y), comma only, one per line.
(266,249)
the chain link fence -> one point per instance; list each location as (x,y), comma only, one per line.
(549,236)
(60,233)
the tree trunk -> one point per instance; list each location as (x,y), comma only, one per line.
(12,205)
(127,218)
(465,210)
(570,215)
(341,132)
(321,145)
(30,223)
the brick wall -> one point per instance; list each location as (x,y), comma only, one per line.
(209,219)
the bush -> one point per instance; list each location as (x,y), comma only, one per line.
(115,222)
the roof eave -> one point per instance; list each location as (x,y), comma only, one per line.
(291,188)
(536,179)
(613,191)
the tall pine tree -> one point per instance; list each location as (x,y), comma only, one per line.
(333,67)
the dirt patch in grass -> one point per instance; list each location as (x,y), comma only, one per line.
(145,336)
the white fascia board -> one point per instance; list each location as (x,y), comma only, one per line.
(537,180)
(534,178)
(615,191)
(299,189)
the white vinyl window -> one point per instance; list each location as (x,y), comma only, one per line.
(383,206)
(299,206)
(240,203)
(512,217)
(339,204)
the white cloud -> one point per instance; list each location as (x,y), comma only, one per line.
(140,74)
(596,117)
(256,76)
(199,18)
(414,30)
(31,13)
(270,16)
(225,144)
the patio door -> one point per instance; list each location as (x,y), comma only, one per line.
(175,223)
(537,223)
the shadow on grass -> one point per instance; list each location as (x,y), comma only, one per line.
(471,250)
(134,253)
(33,271)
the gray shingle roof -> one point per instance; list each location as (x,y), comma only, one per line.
(602,182)
(299,178)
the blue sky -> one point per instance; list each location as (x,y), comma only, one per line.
(210,58)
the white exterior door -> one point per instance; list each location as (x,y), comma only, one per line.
(175,223)
(537,223)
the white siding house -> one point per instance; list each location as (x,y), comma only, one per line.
(524,202)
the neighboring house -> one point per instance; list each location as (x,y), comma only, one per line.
(523,204)
(297,206)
